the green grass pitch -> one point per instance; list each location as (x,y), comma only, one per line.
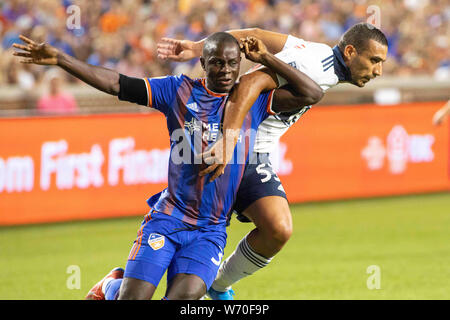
(407,238)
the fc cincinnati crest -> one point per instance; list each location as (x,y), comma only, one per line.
(156,241)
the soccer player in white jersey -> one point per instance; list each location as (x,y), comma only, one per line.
(356,59)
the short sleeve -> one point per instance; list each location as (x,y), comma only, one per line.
(161,92)
(313,59)
(292,42)
(289,56)
(262,108)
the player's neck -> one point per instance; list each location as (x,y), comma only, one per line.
(204,82)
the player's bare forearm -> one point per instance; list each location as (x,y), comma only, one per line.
(286,99)
(103,79)
(306,90)
(274,41)
(244,96)
(240,101)
(185,50)
(32,52)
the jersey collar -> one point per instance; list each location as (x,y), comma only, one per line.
(210,92)
(340,68)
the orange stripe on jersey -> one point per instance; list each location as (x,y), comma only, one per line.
(138,242)
(149,92)
(133,248)
(219,95)
(269,104)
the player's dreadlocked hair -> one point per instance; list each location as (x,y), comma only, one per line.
(359,36)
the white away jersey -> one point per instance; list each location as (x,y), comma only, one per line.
(314,59)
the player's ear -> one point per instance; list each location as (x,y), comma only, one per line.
(350,52)
(202,62)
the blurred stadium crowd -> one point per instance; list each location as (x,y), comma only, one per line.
(122,34)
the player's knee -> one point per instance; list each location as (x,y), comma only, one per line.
(279,232)
(282,232)
(131,295)
(133,289)
(186,287)
(187,294)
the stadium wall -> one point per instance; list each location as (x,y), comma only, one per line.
(98,166)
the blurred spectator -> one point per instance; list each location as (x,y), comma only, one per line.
(123,33)
(55,100)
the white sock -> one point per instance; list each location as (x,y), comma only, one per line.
(243,262)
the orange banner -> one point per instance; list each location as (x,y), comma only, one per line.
(86,167)
(82,167)
(343,152)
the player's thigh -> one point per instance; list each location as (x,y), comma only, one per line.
(261,197)
(136,289)
(272,216)
(185,287)
(150,255)
(200,259)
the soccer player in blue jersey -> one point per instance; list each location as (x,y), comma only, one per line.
(184,232)
(356,59)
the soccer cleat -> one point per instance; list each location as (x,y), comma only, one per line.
(96,293)
(218,295)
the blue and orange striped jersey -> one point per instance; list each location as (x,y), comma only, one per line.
(194,116)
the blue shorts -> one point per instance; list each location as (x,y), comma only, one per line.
(259,181)
(167,243)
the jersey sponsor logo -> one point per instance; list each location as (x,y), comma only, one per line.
(327,63)
(156,241)
(192,126)
(210,132)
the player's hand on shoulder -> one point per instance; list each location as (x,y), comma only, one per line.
(254,49)
(37,53)
(177,50)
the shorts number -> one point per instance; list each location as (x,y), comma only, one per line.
(266,173)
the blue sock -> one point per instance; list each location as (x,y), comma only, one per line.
(112,289)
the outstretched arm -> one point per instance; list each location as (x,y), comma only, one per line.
(184,50)
(100,78)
